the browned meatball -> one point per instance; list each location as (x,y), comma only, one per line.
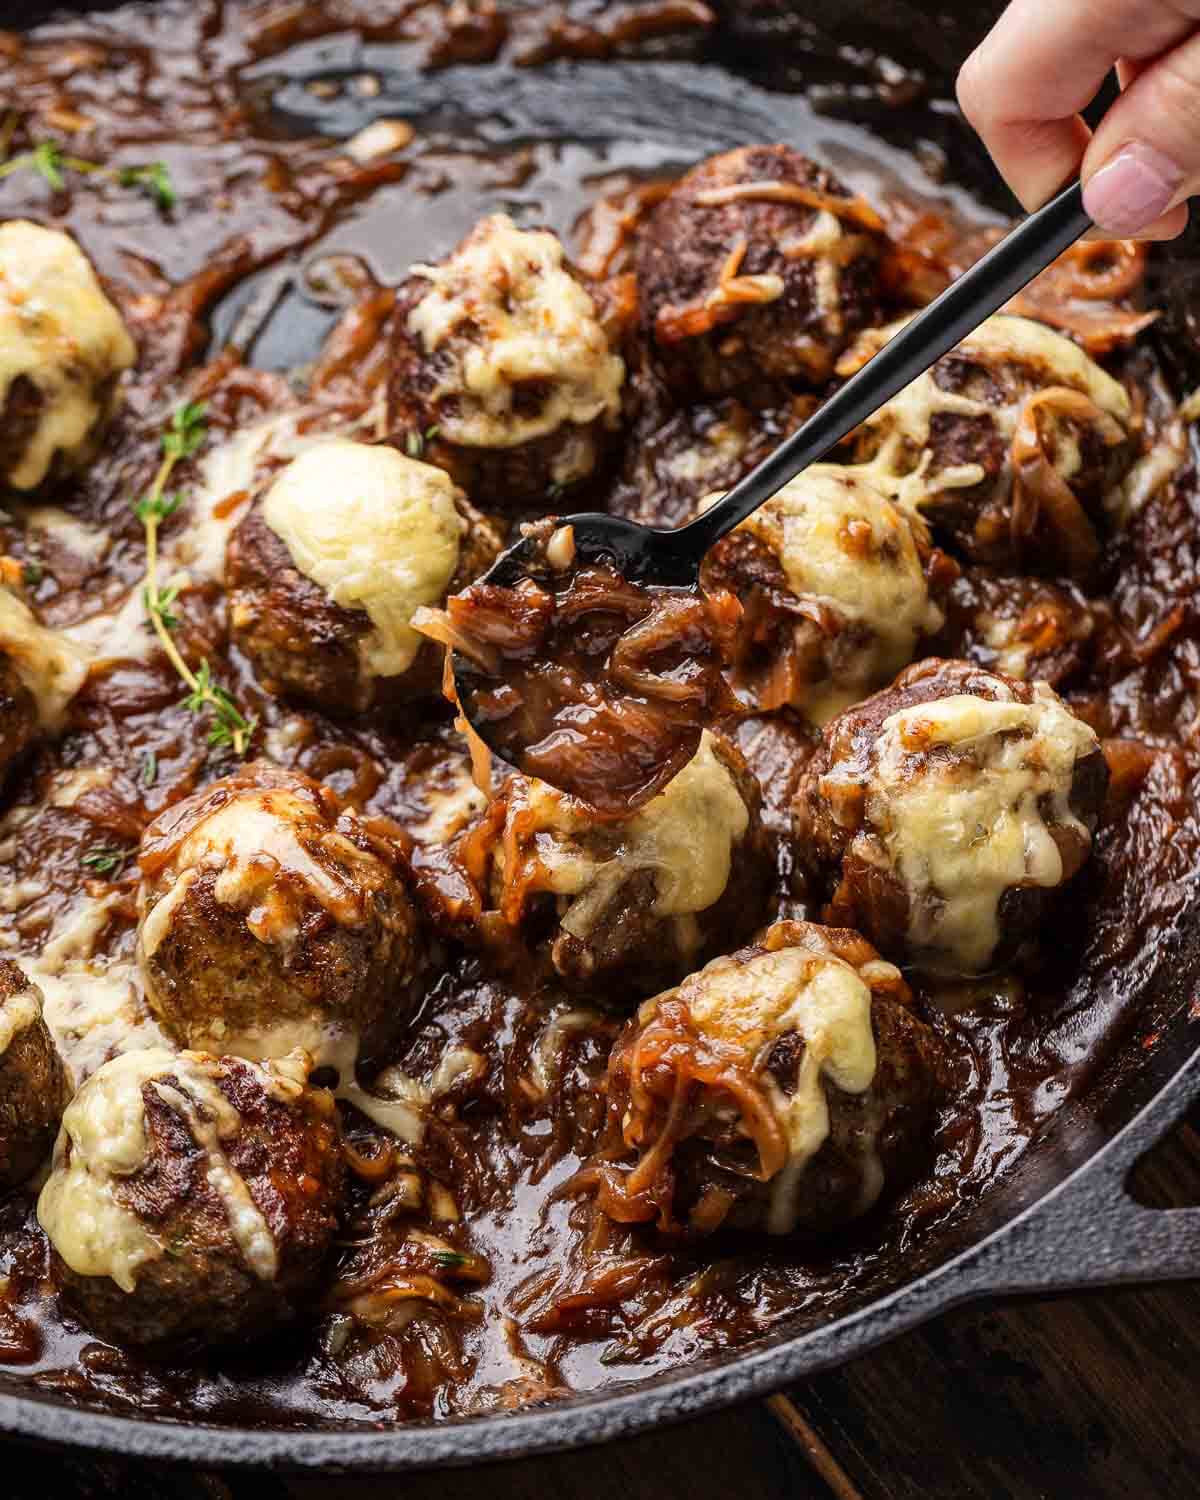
(673,461)
(785,1087)
(1011,446)
(18,715)
(34,1084)
(633,904)
(193,1198)
(20,413)
(758,267)
(327,624)
(943,816)
(1029,628)
(61,366)
(502,369)
(270,919)
(831,578)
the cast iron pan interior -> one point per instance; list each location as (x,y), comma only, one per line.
(1062,1218)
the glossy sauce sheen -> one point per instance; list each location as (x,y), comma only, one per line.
(540,1297)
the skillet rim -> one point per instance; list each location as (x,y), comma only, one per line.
(1083,1231)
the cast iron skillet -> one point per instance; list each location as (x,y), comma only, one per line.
(1063,1219)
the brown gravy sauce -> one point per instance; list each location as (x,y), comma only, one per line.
(546,1299)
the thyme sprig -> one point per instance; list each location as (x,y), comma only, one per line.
(184,434)
(107,859)
(50,161)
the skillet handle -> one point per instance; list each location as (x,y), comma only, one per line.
(1089,1231)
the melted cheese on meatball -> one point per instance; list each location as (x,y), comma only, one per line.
(963,827)
(905,423)
(49,665)
(841,542)
(504,312)
(375,530)
(103,1140)
(59,332)
(685,835)
(749,1005)
(17,1014)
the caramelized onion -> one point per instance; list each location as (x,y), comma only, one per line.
(1040,493)
(599,686)
(856,210)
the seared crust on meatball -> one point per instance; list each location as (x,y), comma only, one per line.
(627,905)
(18,715)
(1008,446)
(193,1199)
(501,368)
(305,646)
(758,267)
(785,1087)
(272,919)
(20,413)
(34,1084)
(831,580)
(943,816)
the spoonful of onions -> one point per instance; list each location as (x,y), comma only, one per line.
(588,657)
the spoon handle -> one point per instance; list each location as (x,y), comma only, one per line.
(977,294)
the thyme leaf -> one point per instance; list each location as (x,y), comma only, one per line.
(184,433)
(107,859)
(49,160)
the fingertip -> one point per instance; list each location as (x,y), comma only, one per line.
(1169,227)
(1132,190)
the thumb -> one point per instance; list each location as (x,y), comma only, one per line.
(1144,160)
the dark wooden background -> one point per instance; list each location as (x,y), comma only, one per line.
(1089,1397)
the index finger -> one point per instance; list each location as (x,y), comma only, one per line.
(1024,85)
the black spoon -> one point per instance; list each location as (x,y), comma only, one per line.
(648,555)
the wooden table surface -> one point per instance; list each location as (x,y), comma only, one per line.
(1087,1397)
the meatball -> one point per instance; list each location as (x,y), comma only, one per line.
(325,576)
(1028,628)
(638,901)
(1010,446)
(18,715)
(270,920)
(758,267)
(502,369)
(193,1199)
(783,1088)
(833,591)
(34,1085)
(943,816)
(63,348)
(40,672)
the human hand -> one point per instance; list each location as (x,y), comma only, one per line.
(1043,61)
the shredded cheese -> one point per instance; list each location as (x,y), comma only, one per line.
(747,1005)
(901,465)
(504,311)
(962,829)
(842,543)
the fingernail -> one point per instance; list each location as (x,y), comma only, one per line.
(1132,189)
